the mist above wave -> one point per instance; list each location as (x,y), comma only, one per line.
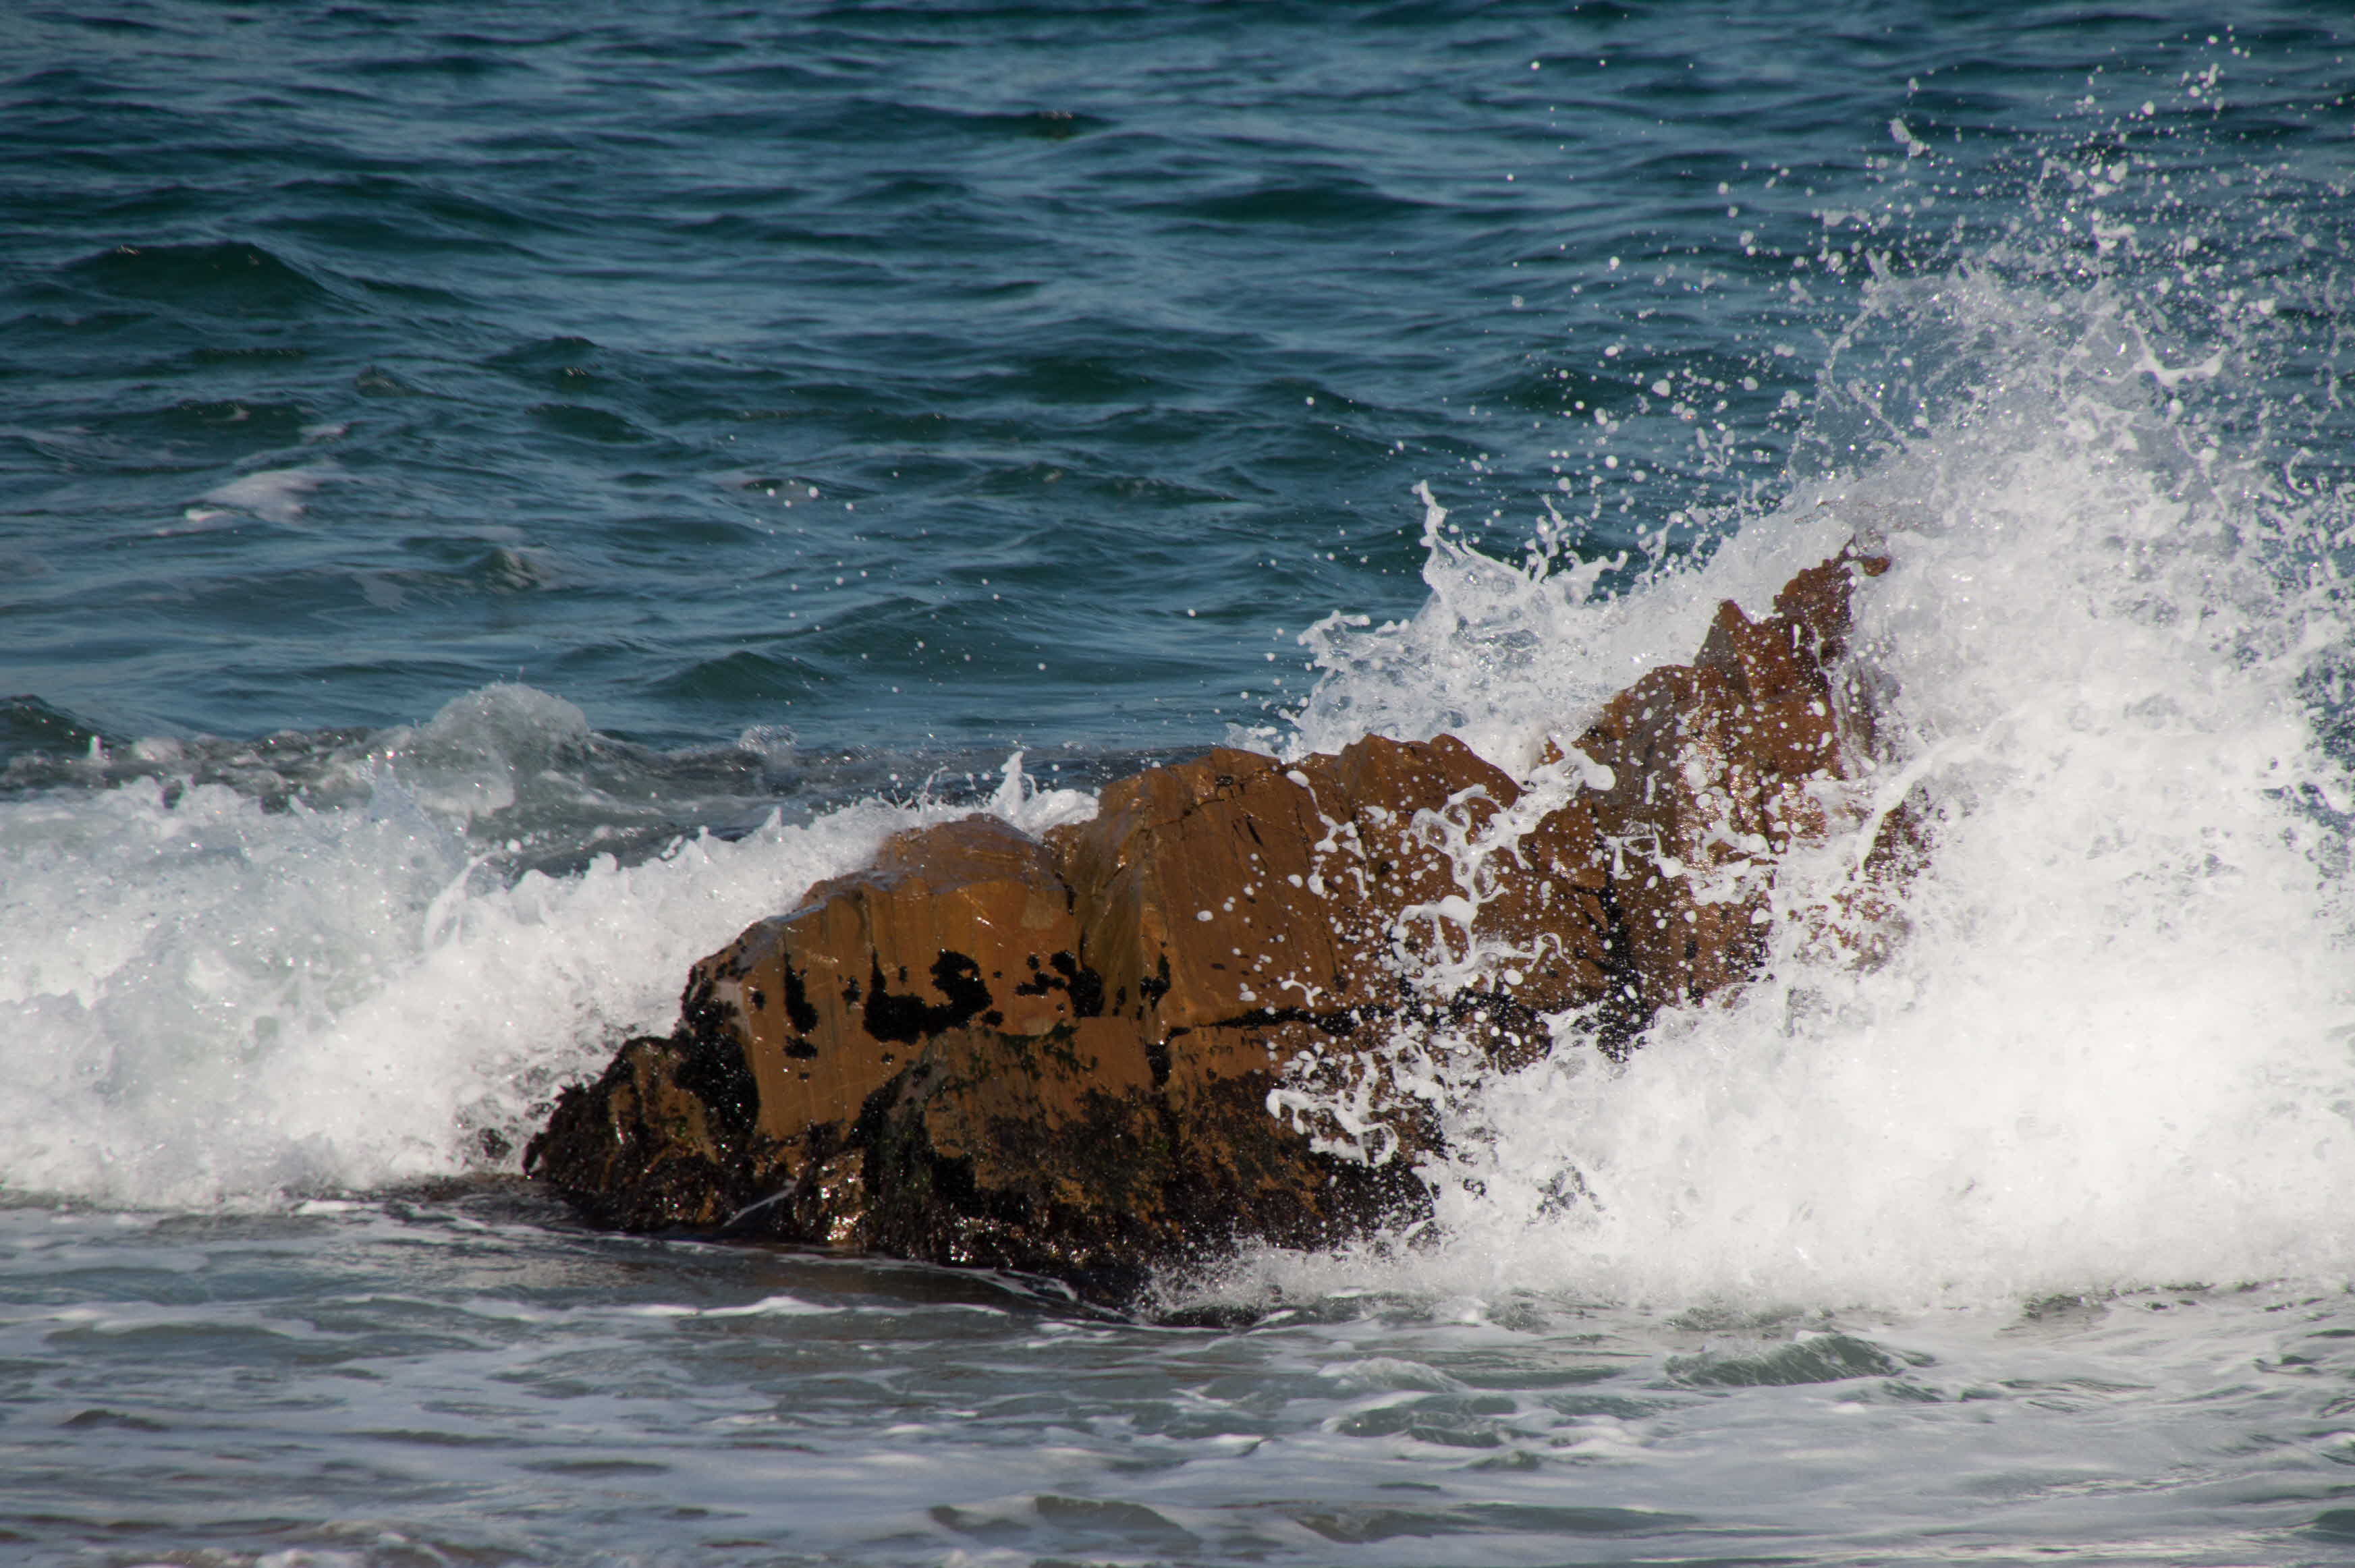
(2116,1044)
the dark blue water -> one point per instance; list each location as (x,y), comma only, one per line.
(1110,339)
(451,456)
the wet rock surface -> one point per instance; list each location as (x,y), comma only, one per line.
(1135,1042)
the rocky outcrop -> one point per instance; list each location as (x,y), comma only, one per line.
(1132,1040)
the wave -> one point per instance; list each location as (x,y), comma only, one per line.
(2116,1048)
(226,277)
(224,999)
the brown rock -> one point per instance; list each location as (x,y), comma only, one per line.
(658,1142)
(963,924)
(1068,1056)
(1716,767)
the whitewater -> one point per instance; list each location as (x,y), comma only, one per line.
(2110,1049)
(2108,1068)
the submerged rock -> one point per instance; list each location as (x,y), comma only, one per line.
(1144,1038)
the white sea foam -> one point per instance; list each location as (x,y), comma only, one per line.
(213,1003)
(274,495)
(2115,1047)
(1504,655)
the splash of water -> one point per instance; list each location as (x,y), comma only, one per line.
(2116,1044)
(2114,665)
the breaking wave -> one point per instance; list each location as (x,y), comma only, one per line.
(2116,1046)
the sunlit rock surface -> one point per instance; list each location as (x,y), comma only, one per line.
(1136,1041)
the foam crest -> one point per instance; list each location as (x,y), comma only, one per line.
(216,1003)
(2112,1046)
(274,495)
(219,999)
(1502,656)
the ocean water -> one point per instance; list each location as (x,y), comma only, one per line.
(494,499)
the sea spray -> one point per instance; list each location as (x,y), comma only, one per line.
(1101,316)
(2110,665)
(218,1004)
(233,999)
(2111,1047)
